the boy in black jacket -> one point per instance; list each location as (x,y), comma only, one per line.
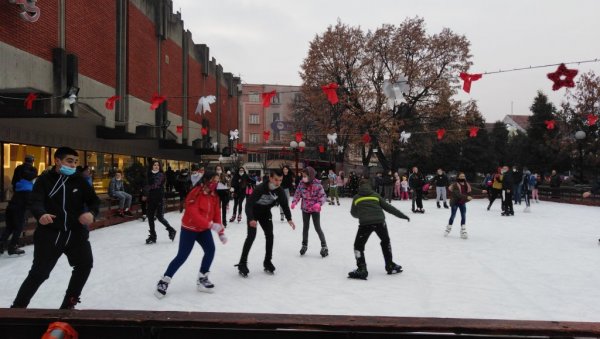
(58,202)
(258,208)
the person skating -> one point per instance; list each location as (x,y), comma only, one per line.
(202,214)
(416,181)
(517,177)
(441,183)
(388,186)
(353,183)
(287,184)
(223,188)
(155,195)
(333,188)
(368,207)
(313,197)
(59,201)
(239,186)
(527,184)
(460,194)
(496,189)
(507,186)
(258,211)
(22,185)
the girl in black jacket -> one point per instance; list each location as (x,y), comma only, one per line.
(155,195)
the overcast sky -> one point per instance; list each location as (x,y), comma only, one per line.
(266,41)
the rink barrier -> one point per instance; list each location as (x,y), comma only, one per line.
(92,324)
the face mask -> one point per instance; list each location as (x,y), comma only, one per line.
(219,171)
(65,170)
(212,186)
(154,171)
(241,173)
(196,175)
(119,179)
(272,186)
(200,174)
(305,180)
(461,180)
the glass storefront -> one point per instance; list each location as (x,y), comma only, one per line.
(14,155)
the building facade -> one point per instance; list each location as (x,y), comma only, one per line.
(137,50)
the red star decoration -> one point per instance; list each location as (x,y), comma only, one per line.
(110,102)
(266,98)
(473,132)
(563,77)
(204,131)
(299,136)
(366,138)
(440,133)
(591,119)
(549,124)
(468,78)
(330,91)
(179,129)
(266,135)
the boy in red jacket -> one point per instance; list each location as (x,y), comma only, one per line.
(202,214)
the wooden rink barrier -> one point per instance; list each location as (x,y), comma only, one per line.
(114,324)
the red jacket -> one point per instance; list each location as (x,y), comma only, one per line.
(201,210)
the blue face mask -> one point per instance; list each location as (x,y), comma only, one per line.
(65,170)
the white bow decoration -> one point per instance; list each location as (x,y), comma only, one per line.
(331,138)
(234,135)
(204,104)
(395,92)
(512,130)
(404,137)
(340,149)
(215,145)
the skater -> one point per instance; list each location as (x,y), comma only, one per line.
(388,186)
(258,211)
(58,198)
(353,183)
(507,185)
(223,187)
(116,189)
(460,194)
(313,197)
(239,186)
(441,183)
(517,177)
(333,188)
(404,188)
(535,190)
(183,186)
(555,182)
(155,193)
(416,181)
(496,188)
(397,187)
(202,214)
(22,185)
(527,185)
(287,184)
(368,207)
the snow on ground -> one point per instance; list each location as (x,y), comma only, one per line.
(536,266)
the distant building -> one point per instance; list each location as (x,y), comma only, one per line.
(521,122)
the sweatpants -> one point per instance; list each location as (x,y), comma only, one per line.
(266,223)
(316,217)
(49,245)
(364,231)
(187,239)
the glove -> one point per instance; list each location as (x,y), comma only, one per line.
(223,238)
(216,227)
(293,205)
(317,207)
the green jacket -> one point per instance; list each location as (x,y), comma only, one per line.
(368,207)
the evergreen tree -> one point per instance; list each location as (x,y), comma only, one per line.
(498,143)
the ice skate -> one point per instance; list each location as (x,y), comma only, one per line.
(359,273)
(69,303)
(239,218)
(2,246)
(303,249)
(393,268)
(15,251)
(463,232)
(446,205)
(438,204)
(338,202)
(282,217)
(232,218)
(161,287)
(172,233)
(447,231)
(151,240)
(324,251)
(527,210)
(269,268)
(203,284)
(243,269)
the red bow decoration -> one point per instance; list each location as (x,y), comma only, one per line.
(204,131)
(468,78)
(473,132)
(549,124)
(321,149)
(366,138)
(157,100)
(110,102)
(179,129)
(563,77)
(299,136)
(29,100)
(591,119)
(331,92)
(266,135)
(239,147)
(266,98)
(440,133)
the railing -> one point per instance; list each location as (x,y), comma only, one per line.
(91,324)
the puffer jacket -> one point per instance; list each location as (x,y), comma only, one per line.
(311,193)
(201,210)
(368,207)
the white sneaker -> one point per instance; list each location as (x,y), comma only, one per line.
(161,287)
(203,284)
(448,229)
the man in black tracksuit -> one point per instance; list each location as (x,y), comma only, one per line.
(258,208)
(507,197)
(416,182)
(63,203)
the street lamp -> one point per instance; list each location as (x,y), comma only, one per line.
(580,136)
(297,147)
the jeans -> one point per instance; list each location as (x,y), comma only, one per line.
(463,213)
(124,199)
(186,243)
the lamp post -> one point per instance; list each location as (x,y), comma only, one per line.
(580,136)
(297,147)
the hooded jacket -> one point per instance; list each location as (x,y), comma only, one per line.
(311,193)
(262,199)
(66,197)
(368,207)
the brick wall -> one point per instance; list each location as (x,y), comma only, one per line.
(142,69)
(172,75)
(37,38)
(210,88)
(194,93)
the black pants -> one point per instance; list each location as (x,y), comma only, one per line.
(507,202)
(417,197)
(495,193)
(363,234)
(237,202)
(158,209)
(49,245)
(266,223)
(15,220)
(316,217)
(224,198)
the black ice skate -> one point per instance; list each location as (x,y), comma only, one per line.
(239,219)
(243,269)
(151,240)
(15,251)
(303,249)
(161,287)
(446,205)
(232,218)
(359,273)
(324,251)
(69,303)
(438,204)
(269,268)
(393,268)
(172,233)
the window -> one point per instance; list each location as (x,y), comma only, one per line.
(254,97)
(253,157)
(14,155)
(276,134)
(254,138)
(275,99)
(254,119)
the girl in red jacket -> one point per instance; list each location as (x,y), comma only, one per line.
(202,214)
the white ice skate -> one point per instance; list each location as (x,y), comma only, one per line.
(161,287)
(203,284)
(448,229)
(527,210)
(463,232)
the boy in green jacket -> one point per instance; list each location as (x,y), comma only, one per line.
(368,207)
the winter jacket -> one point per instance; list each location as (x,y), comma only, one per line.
(183,182)
(332,180)
(368,207)
(459,194)
(115,186)
(497,182)
(440,180)
(388,180)
(311,193)
(262,199)
(416,181)
(155,187)
(240,182)
(22,180)
(201,210)
(507,181)
(66,197)
(288,181)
